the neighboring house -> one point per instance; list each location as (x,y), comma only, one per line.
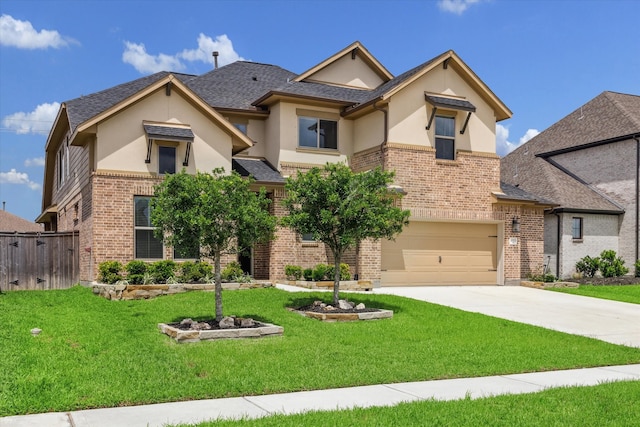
(587,164)
(434,125)
(10,223)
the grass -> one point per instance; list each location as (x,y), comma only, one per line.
(627,293)
(98,353)
(612,404)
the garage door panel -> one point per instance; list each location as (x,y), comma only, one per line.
(441,253)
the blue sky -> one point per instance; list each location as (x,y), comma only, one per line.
(544,59)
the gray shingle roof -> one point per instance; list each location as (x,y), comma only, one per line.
(12,223)
(260,169)
(181,134)
(608,116)
(82,109)
(515,193)
(238,84)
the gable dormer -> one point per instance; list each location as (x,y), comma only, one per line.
(352,67)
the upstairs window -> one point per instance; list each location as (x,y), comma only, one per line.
(576,228)
(166,160)
(146,245)
(445,138)
(317,133)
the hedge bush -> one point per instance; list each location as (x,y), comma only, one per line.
(163,271)
(110,271)
(612,265)
(136,270)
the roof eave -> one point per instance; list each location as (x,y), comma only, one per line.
(272,97)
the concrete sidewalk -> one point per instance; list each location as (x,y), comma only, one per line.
(344,398)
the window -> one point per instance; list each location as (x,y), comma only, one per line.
(63,164)
(166,160)
(317,133)
(308,237)
(242,127)
(445,139)
(576,228)
(190,253)
(146,245)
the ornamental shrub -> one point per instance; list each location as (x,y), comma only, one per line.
(232,272)
(345,274)
(612,265)
(162,271)
(110,271)
(307,273)
(195,272)
(135,271)
(320,272)
(588,266)
(638,268)
(293,272)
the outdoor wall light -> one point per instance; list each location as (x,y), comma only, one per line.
(515,225)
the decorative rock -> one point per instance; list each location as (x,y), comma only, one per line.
(345,305)
(36,331)
(360,306)
(188,321)
(227,323)
(199,326)
(329,308)
(245,323)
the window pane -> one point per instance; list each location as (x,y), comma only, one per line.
(445,149)
(328,134)
(307,237)
(147,246)
(445,126)
(167,160)
(576,229)
(307,132)
(241,127)
(142,212)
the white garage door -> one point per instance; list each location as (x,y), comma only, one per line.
(430,253)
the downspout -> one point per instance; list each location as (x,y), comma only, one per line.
(385,137)
(558,240)
(637,198)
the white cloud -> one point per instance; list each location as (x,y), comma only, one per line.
(19,178)
(22,35)
(504,146)
(206,46)
(37,121)
(36,161)
(136,55)
(455,6)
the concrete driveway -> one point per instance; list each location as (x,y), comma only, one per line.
(611,321)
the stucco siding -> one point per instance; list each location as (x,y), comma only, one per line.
(348,72)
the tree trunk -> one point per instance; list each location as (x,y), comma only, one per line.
(336,278)
(218,292)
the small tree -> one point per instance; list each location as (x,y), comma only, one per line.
(213,214)
(341,208)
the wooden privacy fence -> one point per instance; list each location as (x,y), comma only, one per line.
(39,261)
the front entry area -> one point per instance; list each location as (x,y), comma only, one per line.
(440,253)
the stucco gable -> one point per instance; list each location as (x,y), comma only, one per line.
(353,66)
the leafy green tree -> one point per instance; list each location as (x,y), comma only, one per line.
(341,208)
(212,213)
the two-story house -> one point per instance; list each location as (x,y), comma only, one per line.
(434,125)
(588,165)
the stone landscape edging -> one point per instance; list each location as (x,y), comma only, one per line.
(187,336)
(346,317)
(131,292)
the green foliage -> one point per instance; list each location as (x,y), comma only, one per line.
(320,272)
(612,265)
(345,274)
(110,271)
(195,272)
(293,272)
(341,207)
(163,271)
(547,277)
(307,273)
(135,271)
(232,272)
(637,265)
(588,266)
(215,212)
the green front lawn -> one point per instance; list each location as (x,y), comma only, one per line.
(613,404)
(626,293)
(98,353)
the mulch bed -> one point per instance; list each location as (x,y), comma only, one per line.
(317,309)
(211,322)
(609,281)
